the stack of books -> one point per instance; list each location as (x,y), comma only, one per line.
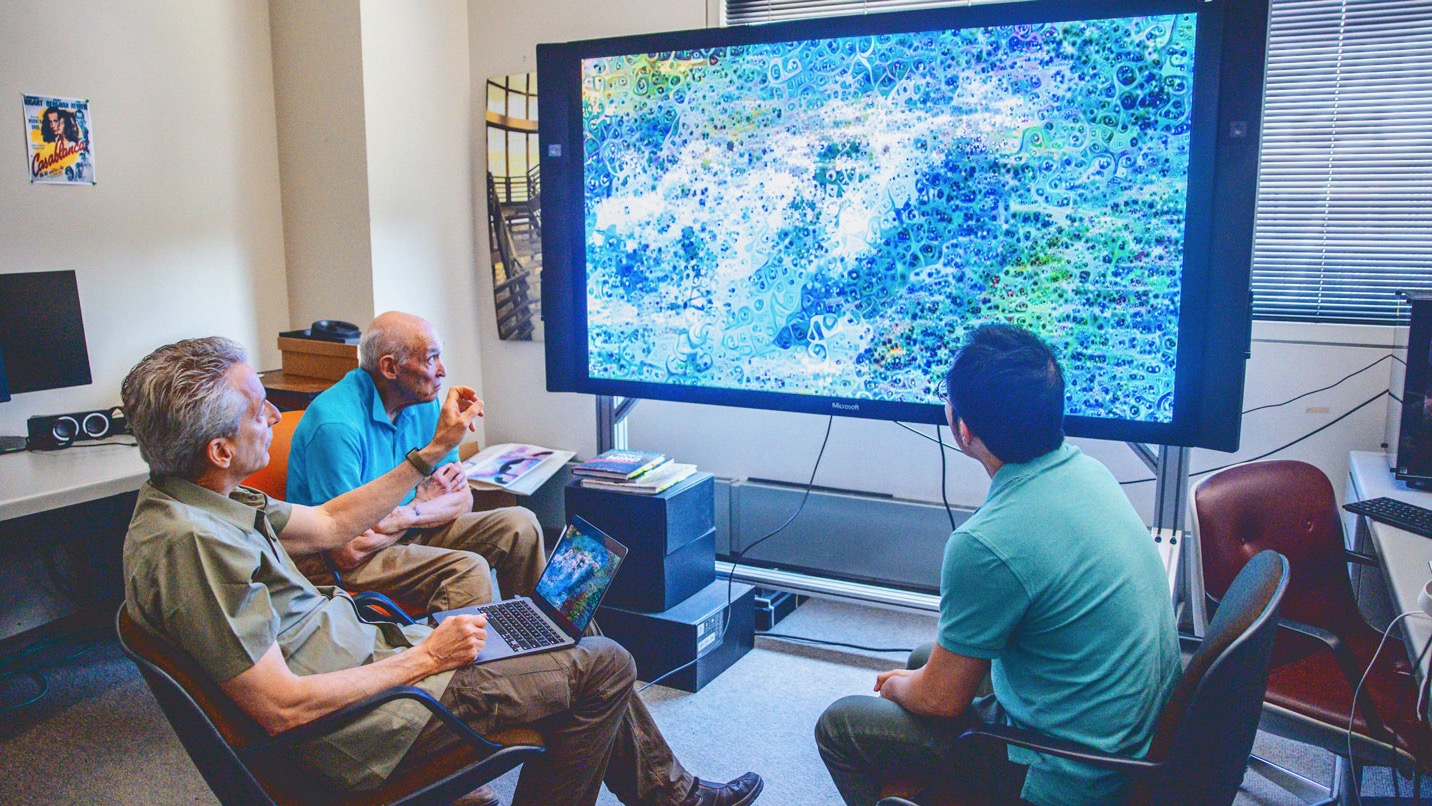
(637,472)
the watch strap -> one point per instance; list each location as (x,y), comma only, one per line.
(416,460)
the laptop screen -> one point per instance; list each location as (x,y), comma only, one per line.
(579,573)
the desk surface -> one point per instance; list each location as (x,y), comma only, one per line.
(1404,555)
(39,481)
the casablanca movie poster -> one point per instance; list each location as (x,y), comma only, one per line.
(57,136)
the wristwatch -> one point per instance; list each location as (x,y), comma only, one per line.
(416,460)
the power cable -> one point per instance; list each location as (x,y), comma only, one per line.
(736,560)
(1336,383)
(1309,435)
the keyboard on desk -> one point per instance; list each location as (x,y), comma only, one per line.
(1405,516)
(520,625)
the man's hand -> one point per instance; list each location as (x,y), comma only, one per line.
(890,684)
(460,408)
(352,554)
(449,478)
(943,687)
(456,642)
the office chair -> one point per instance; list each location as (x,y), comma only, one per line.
(1323,645)
(242,764)
(1204,733)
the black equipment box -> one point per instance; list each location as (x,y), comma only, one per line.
(670,539)
(689,631)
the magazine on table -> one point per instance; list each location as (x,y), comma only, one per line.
(620,464)
(514,466)
(649,483)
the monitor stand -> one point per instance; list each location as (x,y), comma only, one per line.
(12,444)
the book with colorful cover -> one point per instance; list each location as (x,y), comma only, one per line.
(620,464)
(514,467)
(648,483)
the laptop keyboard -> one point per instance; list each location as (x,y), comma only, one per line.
(520,627)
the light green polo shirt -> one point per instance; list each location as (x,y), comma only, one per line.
(1056,580)
(208,574)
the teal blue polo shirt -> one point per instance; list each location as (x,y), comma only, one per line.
(1056,581)
(345,440)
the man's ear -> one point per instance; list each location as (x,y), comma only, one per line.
(388,367)
(220,452)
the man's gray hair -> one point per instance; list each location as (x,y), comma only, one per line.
(379,341)
(179,398)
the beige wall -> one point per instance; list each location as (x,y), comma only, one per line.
(182,234)
(376,157)
(504,38)
(322,146)
(419,162)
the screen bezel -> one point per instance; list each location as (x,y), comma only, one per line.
(1226,119)
(579,524)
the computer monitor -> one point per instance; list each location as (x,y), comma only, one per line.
(1414,438)
(42,334)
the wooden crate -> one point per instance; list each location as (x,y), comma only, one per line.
(310,358)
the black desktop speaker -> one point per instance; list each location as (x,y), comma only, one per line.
(55,431)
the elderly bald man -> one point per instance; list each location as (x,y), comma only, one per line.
(431,552)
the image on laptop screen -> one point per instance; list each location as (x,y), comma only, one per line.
(578,574)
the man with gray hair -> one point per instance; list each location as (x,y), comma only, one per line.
(431,552)
(207,567)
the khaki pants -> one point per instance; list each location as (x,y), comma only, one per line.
(595,728)
(447,566)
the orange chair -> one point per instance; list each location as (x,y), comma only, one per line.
(272,480)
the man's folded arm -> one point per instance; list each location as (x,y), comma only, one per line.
(943,687)
(279,700)
(313,529)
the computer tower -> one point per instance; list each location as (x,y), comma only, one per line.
(692,630)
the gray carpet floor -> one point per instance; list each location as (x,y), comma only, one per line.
(97,736)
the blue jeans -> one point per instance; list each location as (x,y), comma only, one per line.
(867,742)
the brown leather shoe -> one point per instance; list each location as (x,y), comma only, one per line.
(736,792)
(482,796)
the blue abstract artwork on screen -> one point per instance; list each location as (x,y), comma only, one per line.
(828,217)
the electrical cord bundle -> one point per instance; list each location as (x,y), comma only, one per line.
(1352,711)
(13,666)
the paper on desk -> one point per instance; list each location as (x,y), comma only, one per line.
(515,467)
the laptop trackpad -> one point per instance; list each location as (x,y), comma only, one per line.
(494,649)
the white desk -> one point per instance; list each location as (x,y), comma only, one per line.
(1402,555)
(33,482)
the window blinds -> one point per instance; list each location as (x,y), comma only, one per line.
(1345,196)
(1345,184)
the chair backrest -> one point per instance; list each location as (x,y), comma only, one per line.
(1205,731)
(207,723)
(1288,507)
(272,479)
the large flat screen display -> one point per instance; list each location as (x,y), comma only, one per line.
(811,216)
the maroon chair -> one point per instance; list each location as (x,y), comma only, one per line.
(1324,645)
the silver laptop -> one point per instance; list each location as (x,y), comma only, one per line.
(577,576)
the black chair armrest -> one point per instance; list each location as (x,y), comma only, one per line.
(1360,558)
(1347,664)
(1189,643)
(333,721)
(1049,745)
(365,601)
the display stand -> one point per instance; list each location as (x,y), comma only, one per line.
(1169,464)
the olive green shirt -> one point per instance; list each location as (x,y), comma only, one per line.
(208,574)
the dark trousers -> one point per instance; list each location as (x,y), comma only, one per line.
(594,726)
(867,742)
